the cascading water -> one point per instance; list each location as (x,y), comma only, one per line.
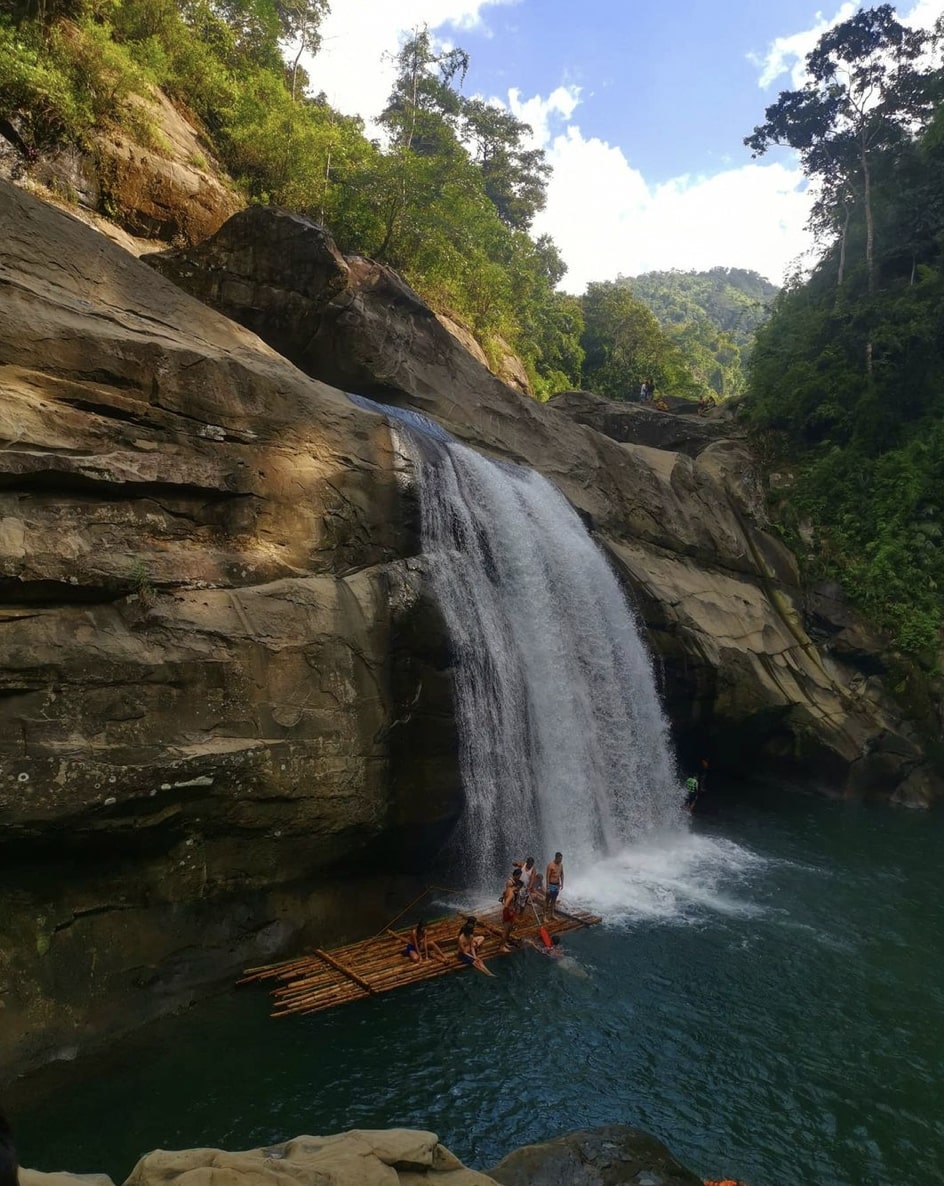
(563,741)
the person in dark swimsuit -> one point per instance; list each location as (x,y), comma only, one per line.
(468,944)
(420,945)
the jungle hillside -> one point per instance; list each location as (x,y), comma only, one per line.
(847,375)
(446,195)
(712,316)
(840,377)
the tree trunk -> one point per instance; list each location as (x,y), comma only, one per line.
(869,224)
(295,67)
(842,246)
(327,182)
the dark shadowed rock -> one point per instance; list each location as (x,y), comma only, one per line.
(613,1155)
(637,424)
(213,695)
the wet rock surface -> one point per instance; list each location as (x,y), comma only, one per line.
(613,1155)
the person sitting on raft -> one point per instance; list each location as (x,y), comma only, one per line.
(419,944)
(468,944)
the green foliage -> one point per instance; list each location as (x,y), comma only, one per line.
(712,316)
(448,203)
(732,300)
(849,375)
(865,93)
(515,177)
(624,344)
(64,81)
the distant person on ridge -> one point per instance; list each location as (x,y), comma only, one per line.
(554,884)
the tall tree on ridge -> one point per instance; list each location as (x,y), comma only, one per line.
(301,23)
(423,107)
(515,176)
(865,90)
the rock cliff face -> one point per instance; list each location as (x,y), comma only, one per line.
(168,188)
(680,511)
(220,676)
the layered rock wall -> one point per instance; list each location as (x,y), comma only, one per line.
(211,692)
(222,682)
(680,510)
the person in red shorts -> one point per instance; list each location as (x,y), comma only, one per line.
(510,906)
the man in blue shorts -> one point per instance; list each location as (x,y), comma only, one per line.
(553,884)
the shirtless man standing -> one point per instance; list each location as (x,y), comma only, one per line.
(553,883)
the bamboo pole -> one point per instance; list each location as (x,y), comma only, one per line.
(321,980)
(342,969)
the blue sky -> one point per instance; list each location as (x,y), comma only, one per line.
(672,84)
(642,109)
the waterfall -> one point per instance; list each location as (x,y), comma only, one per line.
(563,740)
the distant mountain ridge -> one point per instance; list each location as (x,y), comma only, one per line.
(712,315)
(734,300)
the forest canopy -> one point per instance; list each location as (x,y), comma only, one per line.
(847,376)
(447,195)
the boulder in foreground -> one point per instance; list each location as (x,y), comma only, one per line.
(612,1155)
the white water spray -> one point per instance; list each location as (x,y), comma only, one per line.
(563,741)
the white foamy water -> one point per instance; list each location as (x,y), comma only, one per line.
(563,742)
(674,876)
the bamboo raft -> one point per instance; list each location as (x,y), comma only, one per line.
(365,969)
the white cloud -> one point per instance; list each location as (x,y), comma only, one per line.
(787,55)
(539,112)
(608,221)
(353,67)
(604,216)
